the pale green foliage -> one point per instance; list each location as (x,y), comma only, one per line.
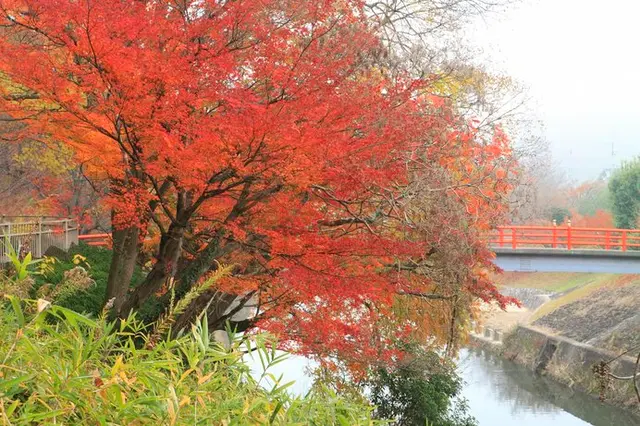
(163,325)
(60,367)
(74,280)
(17,282)
(20,266)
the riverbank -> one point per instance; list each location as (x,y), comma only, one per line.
(566,324)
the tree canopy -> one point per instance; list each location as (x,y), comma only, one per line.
(624,187)
(271,136)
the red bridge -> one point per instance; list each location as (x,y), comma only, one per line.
(519,237)
(100,240)
(565,238)
(566,249)
(542,248)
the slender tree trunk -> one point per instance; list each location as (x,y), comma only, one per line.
(164,269)
(125,253)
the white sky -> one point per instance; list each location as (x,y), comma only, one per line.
(580,61)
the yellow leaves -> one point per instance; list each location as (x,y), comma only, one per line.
(185,375)
(185,400)
(173,405)
(117,365)
(46,266)
(201,401)
(51,158)
(205,378)
(127,380)
(78,259)
(446,85)
(42,304)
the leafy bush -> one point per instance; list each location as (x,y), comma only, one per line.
(559,215)
(421,391)
(85,299)
(61,367)
(16,280)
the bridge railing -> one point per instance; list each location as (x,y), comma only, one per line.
(565,237)
(99,240)
(35,234)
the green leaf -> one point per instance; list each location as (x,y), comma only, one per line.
(12,407)
(41,416)
(279,389)
(74,317)
(15,304)
(7,385)
(275,412)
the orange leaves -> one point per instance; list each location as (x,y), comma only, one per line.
(601,219)
(257,130)
(130,207)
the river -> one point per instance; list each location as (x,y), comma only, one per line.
(500,392)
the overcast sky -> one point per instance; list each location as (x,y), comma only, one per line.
(579,60)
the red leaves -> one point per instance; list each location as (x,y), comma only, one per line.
(259,121)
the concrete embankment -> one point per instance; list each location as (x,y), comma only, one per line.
(565,360)
(568,324)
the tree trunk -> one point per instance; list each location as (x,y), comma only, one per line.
(196,268)
(125,252)
(164,269)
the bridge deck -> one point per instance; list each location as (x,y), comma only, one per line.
(554,260)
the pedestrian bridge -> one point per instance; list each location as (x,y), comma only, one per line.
(517,248)
(566,249)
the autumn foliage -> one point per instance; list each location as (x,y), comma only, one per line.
(601,219)
(264,134)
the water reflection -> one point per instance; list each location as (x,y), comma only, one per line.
(502,393)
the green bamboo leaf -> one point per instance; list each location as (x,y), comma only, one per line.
(343,420)
(12,407)
(275,412)
(73,317)
(15,304)
(279,389)
(6,385)
(42,416)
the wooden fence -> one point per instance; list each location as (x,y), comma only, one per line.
(36,234)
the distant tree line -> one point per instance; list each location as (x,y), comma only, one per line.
(624,187)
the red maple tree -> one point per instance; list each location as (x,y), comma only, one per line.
(262,133)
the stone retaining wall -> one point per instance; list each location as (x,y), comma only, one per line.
(566,360)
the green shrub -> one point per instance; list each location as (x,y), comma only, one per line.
(624,186)
(61,367)
(96,261)
(420,391)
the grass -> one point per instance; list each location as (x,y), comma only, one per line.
(557,282)
(575,286)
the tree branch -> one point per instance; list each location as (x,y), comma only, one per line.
(430,296)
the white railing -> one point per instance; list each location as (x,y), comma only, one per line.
(36,234)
